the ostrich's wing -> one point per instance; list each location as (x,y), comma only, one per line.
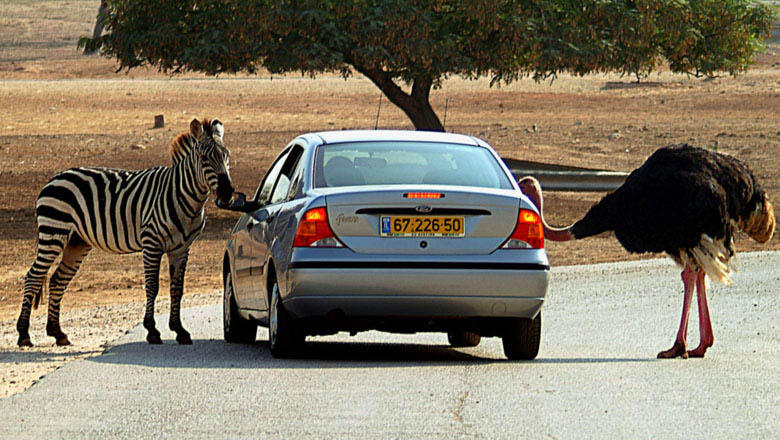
(669,211)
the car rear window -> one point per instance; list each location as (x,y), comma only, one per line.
(407,163)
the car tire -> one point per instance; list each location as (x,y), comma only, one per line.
(234,327)
(283,338)
(463,338)
(522,338)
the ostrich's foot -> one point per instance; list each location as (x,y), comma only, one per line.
(678,350)
(699,351)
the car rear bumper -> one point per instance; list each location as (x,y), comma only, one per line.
(415,289)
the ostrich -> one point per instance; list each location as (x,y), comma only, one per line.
(688,202)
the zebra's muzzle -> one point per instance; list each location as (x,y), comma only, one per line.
(224,188)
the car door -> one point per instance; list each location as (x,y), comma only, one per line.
(286,222)
(241,261)
(263,229)
(250,238)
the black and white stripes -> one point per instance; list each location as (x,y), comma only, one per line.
(155,211)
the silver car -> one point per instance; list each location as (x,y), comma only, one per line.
(398,231)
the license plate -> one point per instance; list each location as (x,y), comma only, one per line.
(422,226)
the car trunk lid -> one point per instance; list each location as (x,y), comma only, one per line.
(361,219)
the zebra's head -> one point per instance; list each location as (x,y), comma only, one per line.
(214,157)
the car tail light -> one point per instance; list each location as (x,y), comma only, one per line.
(528,233)
(314,230)
(423,195)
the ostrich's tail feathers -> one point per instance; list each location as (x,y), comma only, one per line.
(714,257)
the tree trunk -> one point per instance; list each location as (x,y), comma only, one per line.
(99,22)
(415,104)
(422,115)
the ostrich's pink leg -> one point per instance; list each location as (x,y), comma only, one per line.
(705,325)
(680,348)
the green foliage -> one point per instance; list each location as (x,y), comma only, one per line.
(436,38)
(424,41)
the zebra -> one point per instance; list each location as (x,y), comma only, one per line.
(155,211)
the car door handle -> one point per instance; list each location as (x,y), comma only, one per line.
(253,221)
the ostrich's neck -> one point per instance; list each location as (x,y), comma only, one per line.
(550,233)
(557,234)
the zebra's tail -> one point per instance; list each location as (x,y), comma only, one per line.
(37,297)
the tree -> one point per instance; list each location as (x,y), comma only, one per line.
(408,47)
(98,30)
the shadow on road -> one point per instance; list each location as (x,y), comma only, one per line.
(319,354)
(219,354)
(40,356)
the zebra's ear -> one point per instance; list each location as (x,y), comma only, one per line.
(217,128)
(196,128)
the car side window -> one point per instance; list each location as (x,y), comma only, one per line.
(281,191)
(266,186)
(297,180)
(282,187)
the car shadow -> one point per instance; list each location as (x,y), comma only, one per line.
(211,353)
(220,354)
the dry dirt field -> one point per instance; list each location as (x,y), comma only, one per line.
(59,108)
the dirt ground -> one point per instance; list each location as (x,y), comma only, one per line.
(59,108)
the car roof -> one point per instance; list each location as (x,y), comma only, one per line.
(341,136)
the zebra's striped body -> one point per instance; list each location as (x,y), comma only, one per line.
(113,209)
(155,211)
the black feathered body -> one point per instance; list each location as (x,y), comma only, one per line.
(678,195)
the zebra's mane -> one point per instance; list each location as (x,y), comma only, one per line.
(182,145)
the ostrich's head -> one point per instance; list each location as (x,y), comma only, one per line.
(531,188)
(760,224)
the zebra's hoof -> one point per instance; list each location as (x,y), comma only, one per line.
(184,339)
(62,341)
(153,339)
(24,342)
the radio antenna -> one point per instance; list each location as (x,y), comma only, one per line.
(446,104)
(379,109)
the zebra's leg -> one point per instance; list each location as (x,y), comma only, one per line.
(152,257)
(178,265)
(72,256)
(49,248)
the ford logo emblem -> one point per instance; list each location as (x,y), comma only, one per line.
(423,209)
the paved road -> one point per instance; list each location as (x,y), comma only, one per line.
(596,376)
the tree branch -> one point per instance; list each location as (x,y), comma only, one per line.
(395,94)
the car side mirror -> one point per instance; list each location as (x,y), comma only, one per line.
(239,204)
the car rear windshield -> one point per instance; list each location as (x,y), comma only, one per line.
(407,163)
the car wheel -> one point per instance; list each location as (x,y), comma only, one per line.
(283,337)
(522,337)
(234,327)
(462,338)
